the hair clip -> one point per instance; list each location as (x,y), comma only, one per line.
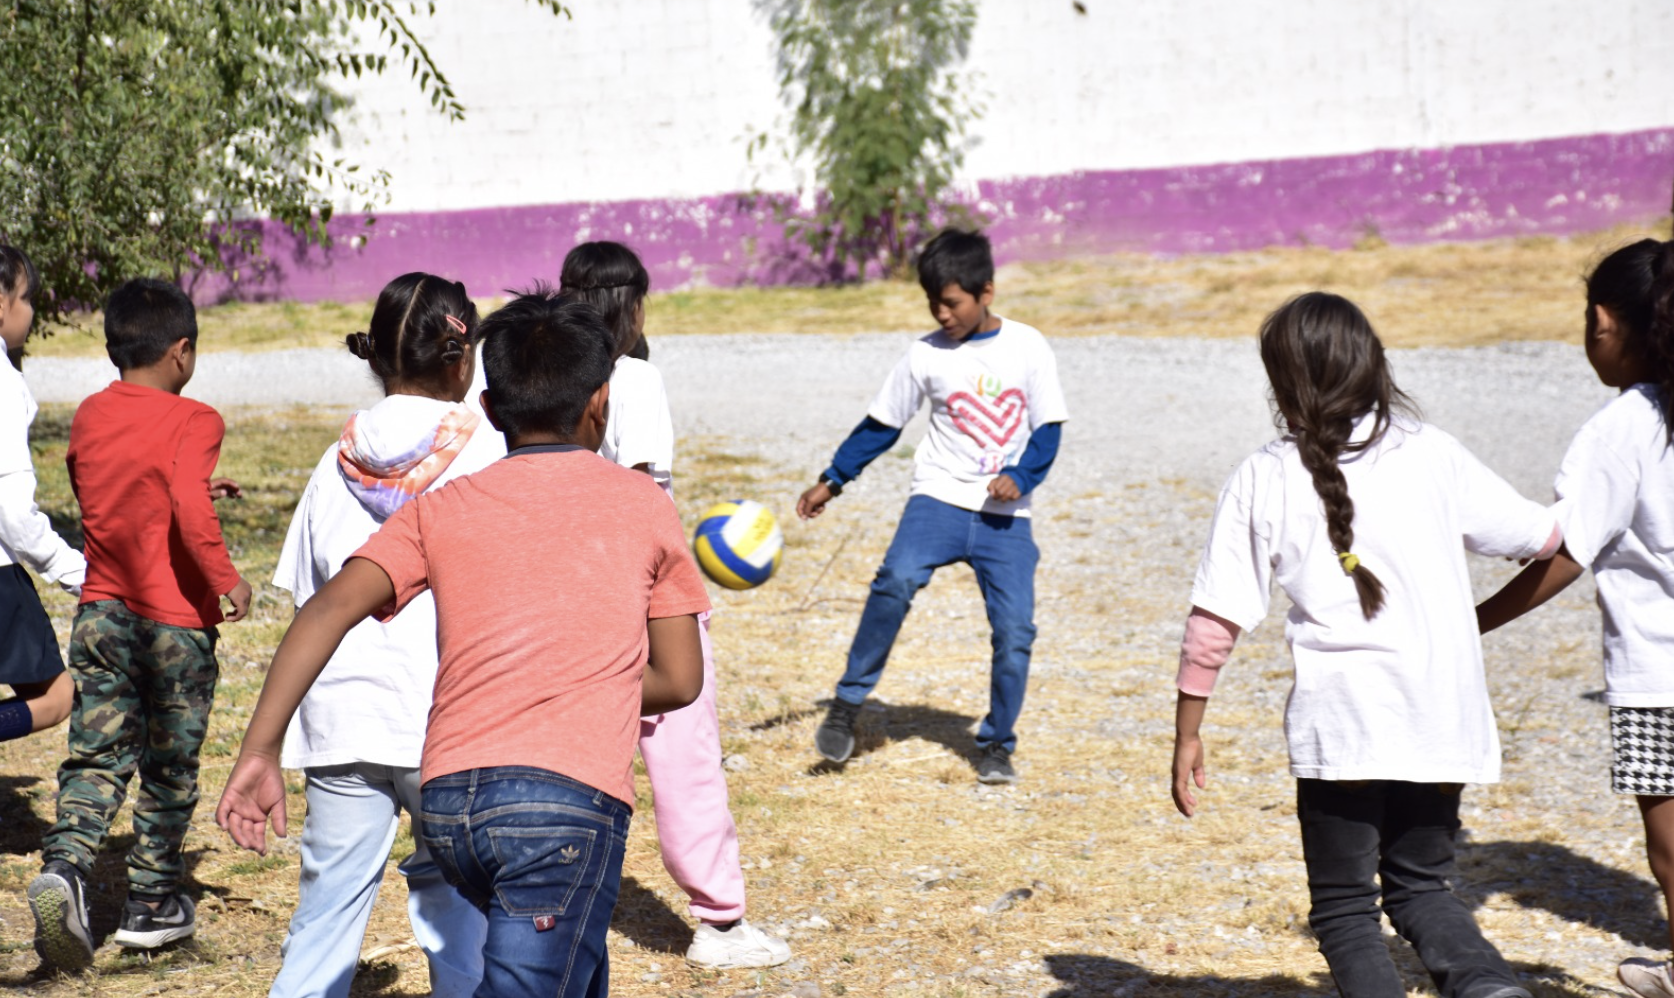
(1350,562)
(457,323)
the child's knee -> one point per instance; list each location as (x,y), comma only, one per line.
(899,584)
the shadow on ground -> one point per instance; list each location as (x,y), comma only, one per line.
(1087,976)
(882,723)
(1571,886)
(647,920)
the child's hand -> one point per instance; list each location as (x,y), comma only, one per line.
(1188,769)
(813,501)
(224,488)
(240,600)
(1004,488)
(255,792)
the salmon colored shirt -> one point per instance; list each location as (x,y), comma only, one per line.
(140,460)
(545,567)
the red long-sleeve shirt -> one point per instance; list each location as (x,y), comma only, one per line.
(140,460)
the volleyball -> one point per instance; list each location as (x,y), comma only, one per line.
(738,544)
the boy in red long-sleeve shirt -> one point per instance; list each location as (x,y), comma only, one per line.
(142,650)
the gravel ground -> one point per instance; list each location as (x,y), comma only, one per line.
(1553,860)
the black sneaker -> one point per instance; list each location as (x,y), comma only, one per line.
(59,904)
(144,927)
(995,766)
(835,737)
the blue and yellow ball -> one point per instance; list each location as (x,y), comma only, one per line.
(738,544)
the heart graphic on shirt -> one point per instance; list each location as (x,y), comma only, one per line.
(997,421)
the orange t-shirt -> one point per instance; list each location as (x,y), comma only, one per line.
(545,567)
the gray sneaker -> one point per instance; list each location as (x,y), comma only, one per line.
(835,737)
(995,766)
(1649,978)
(59,903)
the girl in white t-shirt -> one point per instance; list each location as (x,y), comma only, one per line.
(1362,514)
(681,749)
(1615,494)
(359,734)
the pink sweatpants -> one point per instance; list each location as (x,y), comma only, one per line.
(682,753)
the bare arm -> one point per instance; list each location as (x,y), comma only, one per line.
(1533,586)
(674,671)
(1188,751)
(255,791)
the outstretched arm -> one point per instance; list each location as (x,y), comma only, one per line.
(864,444)
(255,791)
(1533,586)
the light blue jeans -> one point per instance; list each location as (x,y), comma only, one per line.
(1001,549)
(353,813)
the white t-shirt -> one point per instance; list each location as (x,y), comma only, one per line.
(372,701)
(986,397)
(26,534)
(638,428)
(1401,696)
(1616,504)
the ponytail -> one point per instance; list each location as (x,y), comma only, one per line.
(1327,369)
(421,327)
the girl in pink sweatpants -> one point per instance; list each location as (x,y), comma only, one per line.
(681,749)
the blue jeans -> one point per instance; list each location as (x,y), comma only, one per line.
(1383,838)
(353,812)
(1002,551)
(541,854)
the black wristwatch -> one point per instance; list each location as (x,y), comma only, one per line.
(832,485)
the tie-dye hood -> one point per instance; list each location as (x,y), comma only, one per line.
(392,452)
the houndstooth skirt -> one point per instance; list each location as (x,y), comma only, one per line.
(1644,742)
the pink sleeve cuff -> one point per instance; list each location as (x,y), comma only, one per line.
(1553,543)
(1205,648)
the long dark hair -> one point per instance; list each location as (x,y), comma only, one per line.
(1636,283)
(421,326)
(609,277)
(1327,369)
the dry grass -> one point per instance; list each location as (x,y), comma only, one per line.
(1441,294)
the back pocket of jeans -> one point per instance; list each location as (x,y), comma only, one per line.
(541,871)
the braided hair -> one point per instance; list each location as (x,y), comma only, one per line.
(1327,369)
(610,277)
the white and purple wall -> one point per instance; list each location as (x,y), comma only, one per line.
(1151,125)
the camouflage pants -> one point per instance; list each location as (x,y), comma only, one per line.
(143,694)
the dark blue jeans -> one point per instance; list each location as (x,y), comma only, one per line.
(1002,551)
(1356,835)
(541,855)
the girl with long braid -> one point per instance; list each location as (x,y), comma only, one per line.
(1362,514)
(1615,494)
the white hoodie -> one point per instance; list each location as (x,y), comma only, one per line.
(372,702)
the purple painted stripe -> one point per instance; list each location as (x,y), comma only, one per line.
(1553,186)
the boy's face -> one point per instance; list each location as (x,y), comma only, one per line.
(959,312)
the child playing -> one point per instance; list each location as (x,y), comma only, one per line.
(30,662)
(1615,489)
(566,607)
(142,649)
(681,749)
(359,733)
(1362,514)
(996,409)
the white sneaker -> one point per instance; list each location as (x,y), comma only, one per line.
(1649,978)
(741,945)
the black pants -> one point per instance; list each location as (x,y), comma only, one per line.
(1358,835)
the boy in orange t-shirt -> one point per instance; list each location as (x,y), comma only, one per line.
(566,608)
(142,649)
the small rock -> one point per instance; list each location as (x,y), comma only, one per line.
(735,764)
(651,978)
(1009,898)
(805,989)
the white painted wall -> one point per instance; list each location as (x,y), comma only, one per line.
(655,98)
